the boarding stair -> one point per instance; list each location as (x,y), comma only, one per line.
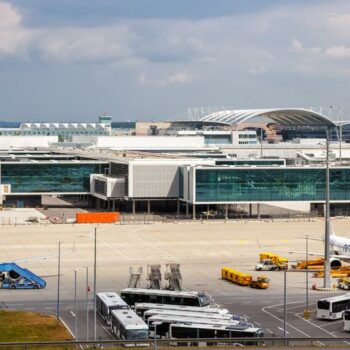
(174,277)
(154,276)
(13,276)
(135,277)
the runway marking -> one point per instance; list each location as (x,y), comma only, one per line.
(277,318)
(243,242)
(110,246)
(294,307)
(281,329)
(66,325)
(150,244)
(330,323)
(315,325)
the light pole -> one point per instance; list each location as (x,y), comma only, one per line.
(285,305)
(95,311)
(155,324)
(327,267)
(76,304)
(306,313)
(58,280)
(87,303)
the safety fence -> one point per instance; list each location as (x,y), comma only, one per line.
(331,342)
(151,218)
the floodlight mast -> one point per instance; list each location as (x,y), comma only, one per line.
(327,264)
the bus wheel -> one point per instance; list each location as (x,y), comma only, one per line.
(35,286)
(12,286)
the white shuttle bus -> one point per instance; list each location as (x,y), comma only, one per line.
(153,312)
(333,308)
(165,321)
(141,308)
(198,330)
(346,320)
(160,296)
(108,301)
(126,325)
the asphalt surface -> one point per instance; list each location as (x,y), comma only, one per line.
(201,249)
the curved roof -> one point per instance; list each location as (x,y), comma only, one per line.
(282,116)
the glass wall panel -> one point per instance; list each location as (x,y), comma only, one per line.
(49,177)
(284,184)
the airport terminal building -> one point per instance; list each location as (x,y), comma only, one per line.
(170,176)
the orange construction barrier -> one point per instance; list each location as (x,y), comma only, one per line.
(97,217)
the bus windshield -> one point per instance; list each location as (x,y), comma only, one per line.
(136,334)
(323,304)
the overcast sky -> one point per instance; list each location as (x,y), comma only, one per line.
(64,60)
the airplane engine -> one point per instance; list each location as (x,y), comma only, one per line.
(335,264)
(14,275)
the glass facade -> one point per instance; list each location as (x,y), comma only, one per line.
(250,162)
(284,184)
(53,177)
(217,139)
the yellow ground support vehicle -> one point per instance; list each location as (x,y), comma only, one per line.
(244,279)
(310,264)
(278,261)
(344,283)
(343,271)
(261,282)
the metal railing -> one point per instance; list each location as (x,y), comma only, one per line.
(202,342)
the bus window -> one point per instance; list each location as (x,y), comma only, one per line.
(339,306)
(178,332)
(154,299)
(128,298)
(222,334)
(347,315)
(207,333)
(323,304)
(190,302)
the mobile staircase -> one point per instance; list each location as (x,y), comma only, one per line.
(135,277)
(13,276)
(174,277)
(154,276)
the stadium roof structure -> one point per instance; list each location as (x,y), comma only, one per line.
(282,116)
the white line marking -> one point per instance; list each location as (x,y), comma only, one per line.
(281,329)
(332,322)
(322,344)
(72,313)
(315,325)
(246,316)
(150,244)
(269,330)
(111,246)
(346,342)
(288,324)
(259,324)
